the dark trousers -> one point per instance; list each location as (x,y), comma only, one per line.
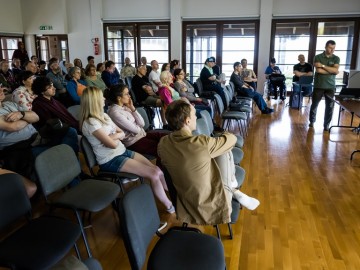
(329,104)
(219,90)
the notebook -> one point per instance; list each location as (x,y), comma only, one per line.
(305,80)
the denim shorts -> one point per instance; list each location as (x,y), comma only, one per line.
(117,162)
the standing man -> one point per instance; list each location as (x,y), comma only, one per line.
(327,67)
(302,69)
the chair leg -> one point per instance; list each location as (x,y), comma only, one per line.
(83,234)
(230,230)
(217,231)
(77,251)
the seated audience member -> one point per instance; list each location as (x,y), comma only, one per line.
(78,63)
(17,136)
(21,53)
(271,70)
(202,197)
(165,66)
(91,60)
(75,86)
(174,64)
(154,76)
(30,66)
(30,186)
(302,69)
(243,89)
(42,69)
(166,92)
(186,90)
(109,75)
(128,70)
(35,60)
(49,108)
(16,67)
(56,76)
(24,95)
(105,138)
(220,77)
(123,113)
(100,68)
(65,66)
(210,81)
(93,78)
(7,78)
(248,75)
(143,61)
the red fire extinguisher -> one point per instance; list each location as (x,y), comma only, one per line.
(96,46)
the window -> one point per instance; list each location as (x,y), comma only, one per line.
(135,40)
(227,41)
(8,45)
(308,37)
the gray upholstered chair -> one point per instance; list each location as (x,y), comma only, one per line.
(179,248)
(42,242)
(56,168)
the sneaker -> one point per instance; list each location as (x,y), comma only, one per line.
(128,180)
(171,209)
(311,124)
(267,111)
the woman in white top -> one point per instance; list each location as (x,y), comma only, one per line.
(23,95)
(105,138)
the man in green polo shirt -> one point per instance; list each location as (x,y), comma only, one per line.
(327,67)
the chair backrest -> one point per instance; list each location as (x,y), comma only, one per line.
(89,154)
(56,167)
(219,103)
(207,117)
(144,115)
(14,202)
(201,127)
(227,96)
(232,85)
(230,90)
(74,111)
(139,220)
(199,86)
(133,97)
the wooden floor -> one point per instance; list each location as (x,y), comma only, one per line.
(309,216)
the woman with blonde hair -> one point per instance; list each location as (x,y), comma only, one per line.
(105,138)
(166,92)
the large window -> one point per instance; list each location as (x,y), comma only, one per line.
(308,37)
(135,40)
(227,41)
(8,44)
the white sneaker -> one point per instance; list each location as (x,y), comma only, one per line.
(127,180)
(245,200)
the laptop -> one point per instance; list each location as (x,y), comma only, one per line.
(349,93)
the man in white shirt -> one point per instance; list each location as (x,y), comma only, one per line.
(154,76)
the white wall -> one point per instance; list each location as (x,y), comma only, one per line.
(10,17)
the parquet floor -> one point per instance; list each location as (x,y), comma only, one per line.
(309,216)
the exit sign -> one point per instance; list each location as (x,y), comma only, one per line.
(45,27)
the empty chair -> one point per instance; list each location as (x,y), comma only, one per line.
(56,168)
(74,111)
(40,243)
(207,117)
(179,248)
(118,177)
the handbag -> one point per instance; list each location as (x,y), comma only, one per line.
(53,131)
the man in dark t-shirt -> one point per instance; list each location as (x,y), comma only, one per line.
(302,69)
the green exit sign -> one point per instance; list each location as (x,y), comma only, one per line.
(45,27)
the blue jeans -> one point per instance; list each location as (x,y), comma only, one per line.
(258,98)
(306,90)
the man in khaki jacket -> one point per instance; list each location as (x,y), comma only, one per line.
(201,196)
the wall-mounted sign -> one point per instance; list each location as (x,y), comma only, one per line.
(45,27)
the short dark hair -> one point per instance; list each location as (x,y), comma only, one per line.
(109,64)
(114,92)
(52,61)
(40,84)
(98,66)
(330,42)
(273,60)
(90,57)
(23,76)
(176,114)
(236,64)
(173,63)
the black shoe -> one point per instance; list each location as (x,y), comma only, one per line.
(274,98)
(311,124)
(282,98)
(326,129)
(218,129)
(267,111)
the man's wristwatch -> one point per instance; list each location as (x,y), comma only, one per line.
(23,114)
